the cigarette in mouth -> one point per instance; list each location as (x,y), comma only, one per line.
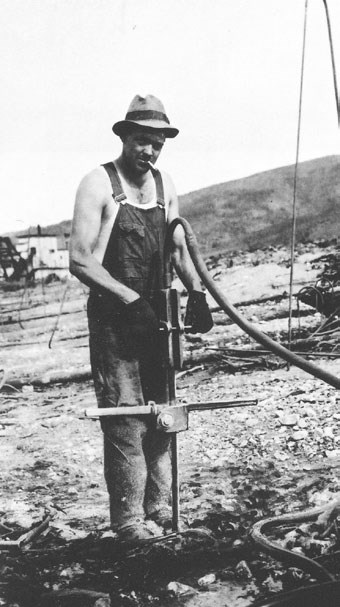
(152,166)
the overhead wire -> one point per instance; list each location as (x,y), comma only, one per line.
(294,211)
(293,229)
(333,60)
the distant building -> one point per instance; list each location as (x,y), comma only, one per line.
(48,253)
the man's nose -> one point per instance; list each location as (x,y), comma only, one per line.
(148,150)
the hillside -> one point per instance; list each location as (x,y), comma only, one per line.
(255,211)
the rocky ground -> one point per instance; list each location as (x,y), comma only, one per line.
(237,466)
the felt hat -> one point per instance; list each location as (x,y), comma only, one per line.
(146,112)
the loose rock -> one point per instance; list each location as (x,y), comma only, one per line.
(206,580)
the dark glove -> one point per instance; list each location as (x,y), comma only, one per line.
(139,324)
(197,316)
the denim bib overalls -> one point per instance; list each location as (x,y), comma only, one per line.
(136,455)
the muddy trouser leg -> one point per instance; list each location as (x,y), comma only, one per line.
(125,470)
(117,383)
(156,442)
(157,493)
(136,457)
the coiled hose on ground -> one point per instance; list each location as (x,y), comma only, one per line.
(242,322)
(282,554)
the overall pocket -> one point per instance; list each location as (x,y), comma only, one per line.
(131,241)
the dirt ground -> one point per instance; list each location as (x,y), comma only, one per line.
(237,466)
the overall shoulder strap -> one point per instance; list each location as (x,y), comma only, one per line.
(117,188)
(159,187)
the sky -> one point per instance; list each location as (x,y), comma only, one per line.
(227,71)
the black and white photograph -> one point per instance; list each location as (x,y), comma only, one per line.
(170,303)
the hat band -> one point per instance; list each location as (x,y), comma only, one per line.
(147,115)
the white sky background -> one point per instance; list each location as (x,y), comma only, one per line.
(228,72)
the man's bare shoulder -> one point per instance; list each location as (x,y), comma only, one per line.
(169,187)
(95,185)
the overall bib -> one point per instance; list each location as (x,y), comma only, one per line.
(136,456)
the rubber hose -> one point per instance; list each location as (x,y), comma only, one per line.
(282,554)
(242,322)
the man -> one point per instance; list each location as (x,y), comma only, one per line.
(117,248)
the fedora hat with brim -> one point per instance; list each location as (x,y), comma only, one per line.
(146,112)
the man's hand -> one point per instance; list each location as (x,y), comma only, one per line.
(197,316)
(139,324)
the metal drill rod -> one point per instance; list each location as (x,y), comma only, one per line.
(96,412)
(175,483)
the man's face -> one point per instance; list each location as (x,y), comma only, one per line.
(139,147)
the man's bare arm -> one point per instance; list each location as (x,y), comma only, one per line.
(91,198)
(198,317)
(180,255)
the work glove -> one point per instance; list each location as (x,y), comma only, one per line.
(197,316)
(139,325)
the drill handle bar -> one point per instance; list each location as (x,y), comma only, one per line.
(221,404)
(153,409)
(96,412)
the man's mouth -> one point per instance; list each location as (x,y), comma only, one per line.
(145,162)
